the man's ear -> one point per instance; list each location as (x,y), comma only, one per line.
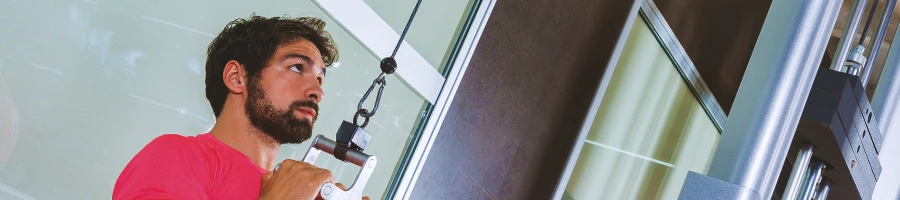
(235,77)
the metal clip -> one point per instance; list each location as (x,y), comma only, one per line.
(361,112)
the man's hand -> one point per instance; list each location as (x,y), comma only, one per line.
(294,180)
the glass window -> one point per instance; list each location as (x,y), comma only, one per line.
(649,130)
(85,84)
(437,22)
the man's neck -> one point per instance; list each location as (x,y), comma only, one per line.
(235,130)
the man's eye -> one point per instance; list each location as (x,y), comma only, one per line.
(296,68)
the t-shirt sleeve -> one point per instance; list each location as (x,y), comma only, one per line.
(169,167)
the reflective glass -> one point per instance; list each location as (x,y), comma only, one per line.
(649,131)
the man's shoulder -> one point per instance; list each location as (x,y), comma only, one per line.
(172,150)
(171,166)
(175,144)
(173,139)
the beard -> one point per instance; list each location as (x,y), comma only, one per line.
(279,124)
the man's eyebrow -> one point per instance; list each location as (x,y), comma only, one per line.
(296,55)
(304,58)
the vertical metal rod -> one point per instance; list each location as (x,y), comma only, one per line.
(773,92)
(886,99)
(846,42)
(816,167)
(875,44)
(886,107)
(795,180)
(824,188)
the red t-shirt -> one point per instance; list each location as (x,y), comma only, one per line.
(189,167)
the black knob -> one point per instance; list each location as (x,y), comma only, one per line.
(388,65)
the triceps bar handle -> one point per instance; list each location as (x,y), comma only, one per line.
(366,163)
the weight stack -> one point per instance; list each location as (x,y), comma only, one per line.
(838,121)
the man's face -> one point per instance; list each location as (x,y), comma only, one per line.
(283,101)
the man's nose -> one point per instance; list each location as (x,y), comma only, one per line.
(315,93)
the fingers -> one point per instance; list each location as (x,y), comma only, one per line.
(294,165)
(267,176)
(286,164)
(323,176)
(294,179)
(265,184)
(290,163)
(318,175)
(339,185)
(366,198)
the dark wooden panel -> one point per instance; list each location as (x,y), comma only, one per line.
(524,97)
(719,36)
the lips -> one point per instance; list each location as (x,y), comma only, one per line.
(308,111)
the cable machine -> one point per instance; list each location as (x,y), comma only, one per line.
(351,139)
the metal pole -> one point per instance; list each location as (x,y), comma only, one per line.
(824,188)
(816,167)
(840,55)
(798,171)
(886,107)
(773,92)
(886,99)
(875,44)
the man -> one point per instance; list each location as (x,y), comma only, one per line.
(263,81)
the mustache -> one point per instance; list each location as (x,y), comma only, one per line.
(306,104)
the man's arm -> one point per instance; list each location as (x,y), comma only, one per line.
(169,167)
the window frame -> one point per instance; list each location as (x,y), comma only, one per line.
(647,11)
(437,87)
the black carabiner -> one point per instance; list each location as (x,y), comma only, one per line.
(378,81)
(365,119)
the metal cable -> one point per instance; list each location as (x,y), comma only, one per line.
(868,22)
(380,80)
(409,22)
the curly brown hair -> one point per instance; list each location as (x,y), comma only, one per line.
(252,42)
